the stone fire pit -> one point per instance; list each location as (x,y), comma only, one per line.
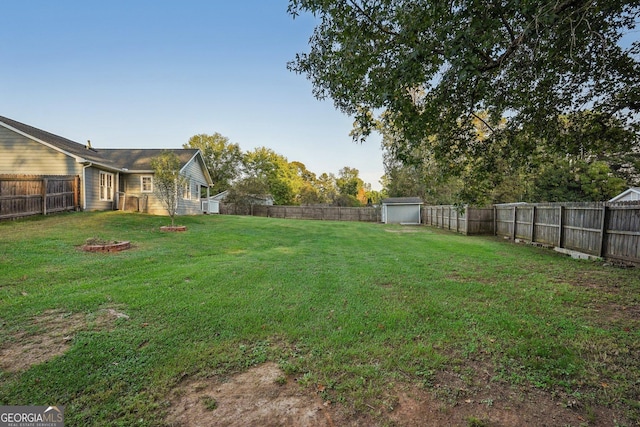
(173,228)
(95,244)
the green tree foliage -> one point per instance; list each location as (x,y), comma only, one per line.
(594,160)
(262,172)
(430,67)
(306,184)
(374,197)
(327,189)
(419,176)
(245,191)
(168,183)
(351,189)
(575,180)
(222,158)
(281,177)
(349,182)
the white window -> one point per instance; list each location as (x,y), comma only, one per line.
(146,183)
(186,191)
(195,192)
(106,186)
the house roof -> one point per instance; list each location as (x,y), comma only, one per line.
(139,159)
(71,148)
(632,190)
(123,160)
(402,201)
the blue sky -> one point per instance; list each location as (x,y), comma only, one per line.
(150,74)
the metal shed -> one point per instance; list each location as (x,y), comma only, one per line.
(401,210)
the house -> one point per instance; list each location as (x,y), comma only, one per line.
(401,210)
(212,204)
(109,178)
(631,194)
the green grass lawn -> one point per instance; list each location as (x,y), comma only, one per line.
(356,307)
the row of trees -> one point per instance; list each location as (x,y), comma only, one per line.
(262,171)
(592,158)
(486,101)
(596,158)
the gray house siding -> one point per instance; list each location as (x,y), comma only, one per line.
(21,155)
(107,176)
(148,202)
(92,187)
(193,170)
(193,204)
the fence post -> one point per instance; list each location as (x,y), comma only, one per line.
(495,220)
(603,228)
(467,214)
(45,182)
(533,224)
(76,193)
(561,225)
(515,212)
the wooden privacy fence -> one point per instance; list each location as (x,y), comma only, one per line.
(466,220)
(24,195)
(600,229)
(328,213)
(607,230)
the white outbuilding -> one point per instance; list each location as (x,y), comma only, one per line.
(402,210)
(629,195)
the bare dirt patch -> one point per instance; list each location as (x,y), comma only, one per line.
(503,407)
(264,396)
(408,229)
(49,335)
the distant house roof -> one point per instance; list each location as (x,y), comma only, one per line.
(402,201)
(220,196)
(632,193)
(268,198)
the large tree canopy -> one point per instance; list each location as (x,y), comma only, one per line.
(433,66)
(223,158)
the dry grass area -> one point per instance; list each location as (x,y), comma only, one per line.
(265,396)
(50,335)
